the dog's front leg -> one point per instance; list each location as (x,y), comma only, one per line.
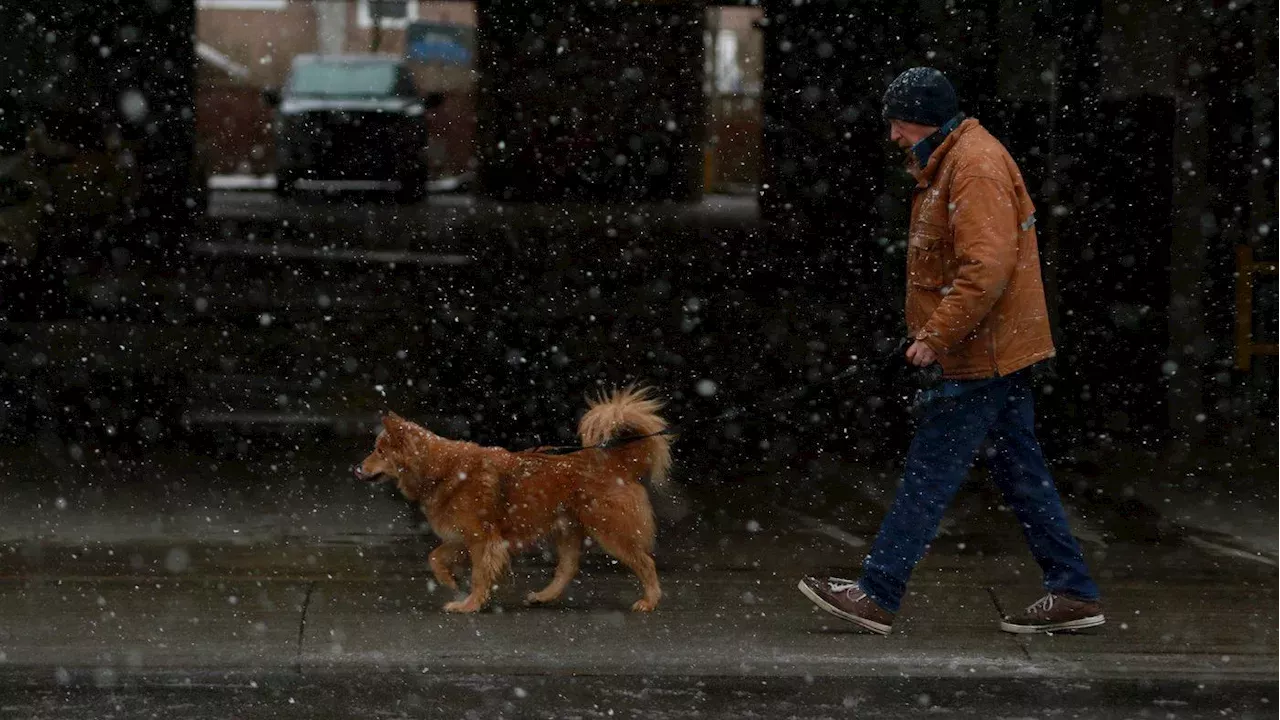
(442,560)
(488,560)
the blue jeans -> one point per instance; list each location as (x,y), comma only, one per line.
(955,418)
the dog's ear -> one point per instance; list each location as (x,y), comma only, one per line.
(394,424)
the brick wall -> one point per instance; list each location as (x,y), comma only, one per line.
(264,41)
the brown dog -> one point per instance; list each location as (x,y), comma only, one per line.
(489,502)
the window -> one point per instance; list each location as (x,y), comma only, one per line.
(241,4)
(344,79)
(393,13)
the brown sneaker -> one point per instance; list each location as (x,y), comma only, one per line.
(1055,613)
(845,600)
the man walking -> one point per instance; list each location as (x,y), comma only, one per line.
(975,304)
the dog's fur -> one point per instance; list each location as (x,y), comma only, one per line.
(489,502)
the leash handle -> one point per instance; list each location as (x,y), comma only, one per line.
(896,368)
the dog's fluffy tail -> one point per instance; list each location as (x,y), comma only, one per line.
(629,412)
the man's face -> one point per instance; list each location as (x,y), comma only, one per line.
(905,134)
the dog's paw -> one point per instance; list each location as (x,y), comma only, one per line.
(462,606)
(534,598)
(643,606)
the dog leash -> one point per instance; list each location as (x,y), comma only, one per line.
(726,415)
(892,367)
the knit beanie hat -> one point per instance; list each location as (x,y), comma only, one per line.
(921,95)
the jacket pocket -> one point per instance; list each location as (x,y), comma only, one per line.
(926,267)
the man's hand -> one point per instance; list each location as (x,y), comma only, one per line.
(921,355)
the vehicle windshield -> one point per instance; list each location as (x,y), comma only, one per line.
(343,79)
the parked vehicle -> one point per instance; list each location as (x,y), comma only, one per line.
(351,122)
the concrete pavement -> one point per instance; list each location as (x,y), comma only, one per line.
(281,564)
(412,694)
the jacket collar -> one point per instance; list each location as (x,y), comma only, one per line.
(939,144)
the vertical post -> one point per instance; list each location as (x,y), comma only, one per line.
(1071,88)
(710,82)
(1188,344)
(1259,388)
(331,27)
(375,18)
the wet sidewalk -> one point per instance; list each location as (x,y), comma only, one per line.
(284,566)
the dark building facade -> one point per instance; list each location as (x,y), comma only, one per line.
(590,101)
(1146,131)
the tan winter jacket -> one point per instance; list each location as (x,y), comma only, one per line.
(974,292)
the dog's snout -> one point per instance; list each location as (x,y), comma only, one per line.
(369,477)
